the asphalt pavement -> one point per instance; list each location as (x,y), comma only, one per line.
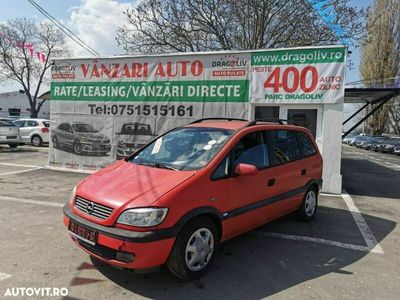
(351,250)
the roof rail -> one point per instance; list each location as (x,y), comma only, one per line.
(271,120)
(213,119)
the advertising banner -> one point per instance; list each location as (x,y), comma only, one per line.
(104,109)
(298,76)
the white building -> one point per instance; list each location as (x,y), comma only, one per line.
(16,105)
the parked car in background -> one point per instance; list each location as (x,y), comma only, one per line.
(9,133)
(34,131)
(373,140)
(348,139)
(397,150)
(132,137)
(177,198)
(81,138)
(389,145)
(359,139)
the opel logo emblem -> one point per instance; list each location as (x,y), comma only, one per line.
(90,208)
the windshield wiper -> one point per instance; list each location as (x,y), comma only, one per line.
(158,165)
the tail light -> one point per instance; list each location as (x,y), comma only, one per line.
(45,129)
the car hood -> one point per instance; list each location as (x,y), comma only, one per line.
(126,185)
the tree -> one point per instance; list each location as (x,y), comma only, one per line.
(380,56)
(26,53)
(203,25)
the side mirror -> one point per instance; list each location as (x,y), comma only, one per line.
(245,170)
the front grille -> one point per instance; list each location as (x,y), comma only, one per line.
(96,210)
(99,250)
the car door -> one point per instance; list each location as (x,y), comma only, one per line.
(249,195)
(22,130)
(62,134)
(288,167)
(28,129)
(68,135)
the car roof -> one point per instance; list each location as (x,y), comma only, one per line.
(34,119)
(236,125)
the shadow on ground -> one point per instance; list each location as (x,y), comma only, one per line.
(366,178)
(253,267)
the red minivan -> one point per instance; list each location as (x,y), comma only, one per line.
(198,185)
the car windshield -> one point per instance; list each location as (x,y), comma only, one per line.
(83,128)
(7,123)
(136,129)
(188,148)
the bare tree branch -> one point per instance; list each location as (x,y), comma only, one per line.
(16,61)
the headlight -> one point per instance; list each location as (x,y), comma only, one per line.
(143,217)
(72,196)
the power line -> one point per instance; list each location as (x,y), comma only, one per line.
(64,29)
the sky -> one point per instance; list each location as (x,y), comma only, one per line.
(96,21)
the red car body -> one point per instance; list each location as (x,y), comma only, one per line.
(235,204)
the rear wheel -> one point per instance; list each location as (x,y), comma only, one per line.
(37,141)
(194,249)
(308,207)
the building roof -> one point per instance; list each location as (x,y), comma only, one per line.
(369,95)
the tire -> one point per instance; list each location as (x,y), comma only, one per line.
(36,141)
(77,147)
(55,142)
(309,206)
(179,259)
(13,146)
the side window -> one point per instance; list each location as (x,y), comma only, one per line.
(306,146)
(32,124)
(222,171)
(284,146)
(251,149)
(64,126)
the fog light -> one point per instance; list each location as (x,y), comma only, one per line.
(124,257)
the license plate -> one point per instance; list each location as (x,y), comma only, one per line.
(82,233)
(11,137)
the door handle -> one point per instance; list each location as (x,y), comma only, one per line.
(303,172)
(271,182)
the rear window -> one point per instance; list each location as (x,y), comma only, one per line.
(46,123)
(7,123)
(306,146)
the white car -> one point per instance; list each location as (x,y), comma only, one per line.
(9,133)
(34,131)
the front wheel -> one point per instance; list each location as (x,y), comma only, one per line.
(77,148)
(308,207)
(194,249)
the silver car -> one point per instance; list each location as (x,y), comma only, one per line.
(9,133)
(81,138)
(132,137)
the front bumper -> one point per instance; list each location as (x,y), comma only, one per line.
(150,249)
(95,147)
(123,151)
